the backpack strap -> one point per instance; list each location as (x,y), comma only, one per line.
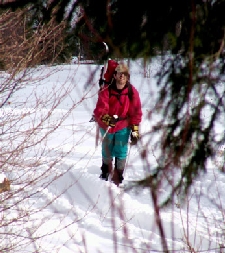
(129,93)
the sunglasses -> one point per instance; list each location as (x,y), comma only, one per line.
(122,73)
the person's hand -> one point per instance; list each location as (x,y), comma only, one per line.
(109,120)
(134,136)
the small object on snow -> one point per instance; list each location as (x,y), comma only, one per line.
(5,185)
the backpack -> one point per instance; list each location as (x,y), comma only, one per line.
(111,66)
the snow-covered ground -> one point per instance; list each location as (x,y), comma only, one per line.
(57,202)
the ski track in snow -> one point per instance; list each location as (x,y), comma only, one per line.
(87,201)
(81,195)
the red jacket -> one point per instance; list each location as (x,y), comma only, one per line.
(112,102)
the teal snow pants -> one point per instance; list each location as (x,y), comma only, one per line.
(115,145)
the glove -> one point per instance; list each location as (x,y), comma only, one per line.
(134,136)
(109,120)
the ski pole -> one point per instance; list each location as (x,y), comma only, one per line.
(107,130)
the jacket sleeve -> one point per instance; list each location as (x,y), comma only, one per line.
(102,105)
(135,109)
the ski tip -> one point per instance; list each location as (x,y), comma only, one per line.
(106,47)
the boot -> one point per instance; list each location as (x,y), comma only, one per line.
(105,172)
(117,177)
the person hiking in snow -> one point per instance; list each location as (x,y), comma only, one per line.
(118,113)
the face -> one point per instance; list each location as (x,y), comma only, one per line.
(121,78)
